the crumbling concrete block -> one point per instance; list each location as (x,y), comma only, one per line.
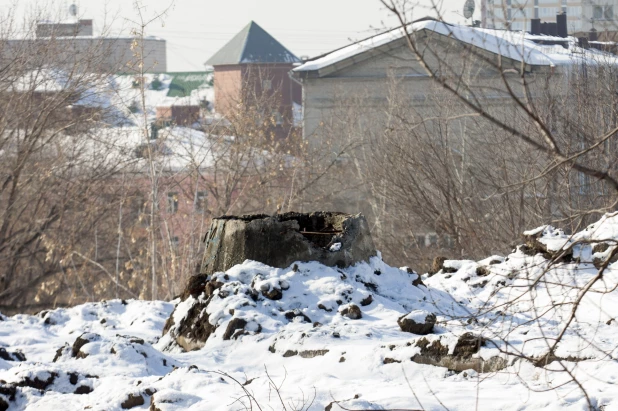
(333,239)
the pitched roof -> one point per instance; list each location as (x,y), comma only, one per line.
(516,45)
(252,45)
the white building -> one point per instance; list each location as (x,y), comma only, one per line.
(582,15)
(73,40)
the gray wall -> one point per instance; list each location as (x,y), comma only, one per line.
(93,53)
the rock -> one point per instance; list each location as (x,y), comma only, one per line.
(533,247)
(290,353)
(192,333)
(602,255)
(482,271)
(437,265)
(417,281)
(59,352)
(468,344)
(323,307)
(600,248)
(8,390)
(283,239)
(195,286)
(435,353)
(153,405)
(4,406)
(191,330)
(273,293)
(292,315)
(548,358)
(39,384)
(82,340)
(11,356)
(132,401)
(83,389)
(366,301)
(233,327)
(417,322)
(352,311)
(312,353)
(390,361)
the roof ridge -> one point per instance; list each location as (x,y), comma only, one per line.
(244,46)
(400,26)
(252,44)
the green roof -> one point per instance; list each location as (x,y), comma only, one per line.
(184,82)
(252,45)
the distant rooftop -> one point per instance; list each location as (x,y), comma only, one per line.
(252,45)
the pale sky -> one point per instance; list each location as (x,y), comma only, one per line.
(196,29)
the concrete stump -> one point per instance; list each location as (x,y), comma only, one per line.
(331,238)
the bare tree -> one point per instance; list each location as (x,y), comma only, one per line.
(52,165)
(437,163)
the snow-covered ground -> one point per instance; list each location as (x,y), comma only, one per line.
(297,350)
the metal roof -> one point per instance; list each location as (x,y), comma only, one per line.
(252,45)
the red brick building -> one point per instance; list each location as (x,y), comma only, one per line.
(181,115)
(254,66)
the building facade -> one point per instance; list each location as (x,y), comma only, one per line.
(376,99)
(582,15)
(65,43)
(253,68)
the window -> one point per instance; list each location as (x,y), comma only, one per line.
(574,11)
(201,201)
(172,203)
(432,240)
(278,117)
(518,13)
(267,85)
(448,242)
(419,239)
(603,12)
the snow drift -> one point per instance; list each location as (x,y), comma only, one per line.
(508,332)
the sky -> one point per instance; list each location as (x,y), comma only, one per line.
(196,29)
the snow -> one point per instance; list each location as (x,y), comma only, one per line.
(5,365)
(603,231)
(517,45)
(418,316)
(126,95)
(335,247)
(126,353)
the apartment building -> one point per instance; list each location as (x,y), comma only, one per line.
(69,41)
(582,15)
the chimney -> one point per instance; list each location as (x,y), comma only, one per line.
(552,29)
(561,22)
(535,26)
(592,35)
(583,42)
(543,28)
